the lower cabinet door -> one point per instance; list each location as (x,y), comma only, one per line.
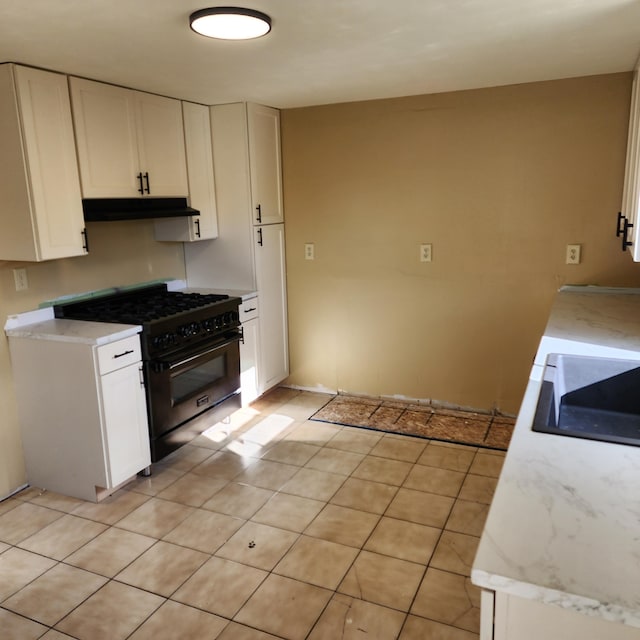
(272,291)
(522,619)
(249,351)
(124,423)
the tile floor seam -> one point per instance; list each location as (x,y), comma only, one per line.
(324,444)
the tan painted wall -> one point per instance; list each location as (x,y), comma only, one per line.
(120,253)
(499,180)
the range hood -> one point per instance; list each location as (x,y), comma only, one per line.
(108,209)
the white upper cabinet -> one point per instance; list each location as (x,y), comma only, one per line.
(202,193)
(129,143)
(41,206)
(265,164)
(628,228)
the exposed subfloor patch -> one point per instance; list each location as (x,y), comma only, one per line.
(448,425)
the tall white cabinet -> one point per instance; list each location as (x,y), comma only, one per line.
(250,251)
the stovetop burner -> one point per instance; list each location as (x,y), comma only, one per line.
(170,319)
(141,307)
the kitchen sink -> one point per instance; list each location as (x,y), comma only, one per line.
(592,398)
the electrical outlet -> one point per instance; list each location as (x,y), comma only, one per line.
(20,279)
(573,254)
(425,253)
(309,251)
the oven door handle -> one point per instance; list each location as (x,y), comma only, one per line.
(200,354)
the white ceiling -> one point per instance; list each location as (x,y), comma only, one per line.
(324,51)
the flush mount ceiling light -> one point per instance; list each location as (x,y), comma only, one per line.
(230,23)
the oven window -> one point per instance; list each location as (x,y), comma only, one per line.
(199,377)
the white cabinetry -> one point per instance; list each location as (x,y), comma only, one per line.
(129,143)
(39,184)
(265,163)
(82,412)
(202,194)
(628,229)
(248,255)
(521,619)
(249,353)
(271,282)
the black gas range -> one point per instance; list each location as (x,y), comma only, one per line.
(190,351)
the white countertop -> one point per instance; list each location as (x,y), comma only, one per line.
(41,325)
(564,524)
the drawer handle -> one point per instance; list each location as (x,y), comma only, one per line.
(124,353)
(250,310)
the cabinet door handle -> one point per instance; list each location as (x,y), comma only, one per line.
(620,224)
(140,188)
(250,310)
(85,240)
(260,237)
(259,216)
(141,374)
(197,223)
(625,232)
(124,353)
(242,335)
(146,180)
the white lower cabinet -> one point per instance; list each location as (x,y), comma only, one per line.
(82,413)
(517,618)
(249,351)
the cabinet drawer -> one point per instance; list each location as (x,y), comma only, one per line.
(249,309)
(116,355)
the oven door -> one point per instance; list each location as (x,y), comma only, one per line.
(189,383)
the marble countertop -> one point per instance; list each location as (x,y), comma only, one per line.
(37,326)
(564,524)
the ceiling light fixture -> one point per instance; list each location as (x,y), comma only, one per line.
(230,23)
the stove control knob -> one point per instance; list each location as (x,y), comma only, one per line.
(208,325)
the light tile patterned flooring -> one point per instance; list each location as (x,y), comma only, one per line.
(271,526)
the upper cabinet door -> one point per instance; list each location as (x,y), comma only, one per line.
(631,191)
(265,164)
(160,135)
(129,143)
(202,196)
(105,123)
(41,210)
